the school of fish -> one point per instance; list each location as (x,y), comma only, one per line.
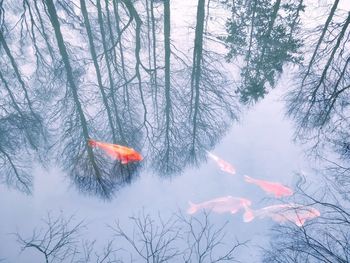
(281,213)
(298,214)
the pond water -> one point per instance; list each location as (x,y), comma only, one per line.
(179,83)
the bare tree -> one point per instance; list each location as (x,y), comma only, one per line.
(57,241)
(210,95)
(90,254)
(317,103)
(151,242)
(60,239)
(96,65)
(206,242)
(177,239)
(21,126)
(325,239)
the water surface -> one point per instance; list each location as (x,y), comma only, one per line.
(174,81)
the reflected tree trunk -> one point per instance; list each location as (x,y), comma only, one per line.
(326,67)
(62,48)
(318,103)
(324,30)
(154,54)
(168,107)
(116,5)
(135,16)
(70,78)
(112,93)
(196,71)
(97,67)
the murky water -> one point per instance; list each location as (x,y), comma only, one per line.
(199,90)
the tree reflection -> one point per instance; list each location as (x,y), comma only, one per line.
(92,173)
(167,143)
(325,239)
(21,126)
(263,35)
(322,92)
(197,104)
(318,104)
(212,103)
(114,71)
(319,101)
(16,149)
(153,239)
(176,238)
(59,240)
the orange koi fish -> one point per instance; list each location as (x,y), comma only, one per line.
(277,189)
(295,213)
(121,153)
(221,205)
(224,166)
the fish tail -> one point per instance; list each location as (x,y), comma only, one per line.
(209,154)
(192,209)
(248,215)
(212,156)
(91,142)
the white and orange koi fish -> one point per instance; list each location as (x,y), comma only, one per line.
(224,166)
(298,214)
(227,204)
(119,152)
(274,188)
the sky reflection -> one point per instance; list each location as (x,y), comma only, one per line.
(179,88)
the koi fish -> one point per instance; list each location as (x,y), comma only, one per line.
(277,189)
(119,152)
(221,205)
(224,166)
(298,214)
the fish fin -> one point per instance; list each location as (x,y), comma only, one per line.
(248,179)
(248,215)
(192,209)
